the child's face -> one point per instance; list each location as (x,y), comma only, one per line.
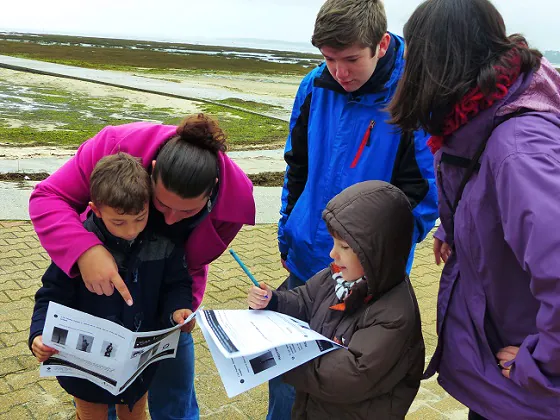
(124,226)
(343,256)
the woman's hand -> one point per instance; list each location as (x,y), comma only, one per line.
(442,251)
(504,356)
(259,297)
(41,351)
(101,274)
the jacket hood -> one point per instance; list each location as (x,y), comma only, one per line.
(376,220)
(542,94)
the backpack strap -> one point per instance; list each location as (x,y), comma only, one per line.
(471,166)
(459,161)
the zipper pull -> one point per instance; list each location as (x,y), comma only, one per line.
(371,125)
(365,142)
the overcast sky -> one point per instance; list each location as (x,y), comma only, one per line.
(284,20)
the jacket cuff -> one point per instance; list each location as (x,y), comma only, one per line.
(31,338)
(440,233)
(70,267)
(273,304)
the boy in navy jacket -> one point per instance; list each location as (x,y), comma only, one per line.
(153,269)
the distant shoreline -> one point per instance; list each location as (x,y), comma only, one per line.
(152,56)
(230,43)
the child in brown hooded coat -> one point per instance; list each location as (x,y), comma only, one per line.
(365,302)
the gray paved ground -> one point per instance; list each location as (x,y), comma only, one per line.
(23,395)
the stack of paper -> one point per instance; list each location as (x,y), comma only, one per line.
(252,347)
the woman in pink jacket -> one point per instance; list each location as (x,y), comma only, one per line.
(201,199)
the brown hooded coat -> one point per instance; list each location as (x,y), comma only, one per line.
(378,376)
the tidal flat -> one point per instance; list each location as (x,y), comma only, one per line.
(48,111)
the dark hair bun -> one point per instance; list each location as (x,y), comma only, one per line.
(202,131)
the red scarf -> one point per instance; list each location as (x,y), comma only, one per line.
(475,101)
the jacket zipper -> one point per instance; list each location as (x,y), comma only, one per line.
(365,142)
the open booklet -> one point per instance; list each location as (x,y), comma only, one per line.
(252,347)
(101,351)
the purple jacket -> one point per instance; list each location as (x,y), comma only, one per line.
(56,203)
(501,286)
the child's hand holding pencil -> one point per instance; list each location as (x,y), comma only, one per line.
(259,297)
(259,294)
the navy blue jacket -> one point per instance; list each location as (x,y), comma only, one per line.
(338,139)
(156,275)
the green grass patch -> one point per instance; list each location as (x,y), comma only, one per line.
(244,129)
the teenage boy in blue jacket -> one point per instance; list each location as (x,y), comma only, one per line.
(339,136)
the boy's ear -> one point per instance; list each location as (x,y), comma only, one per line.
(384,45)
(94,209)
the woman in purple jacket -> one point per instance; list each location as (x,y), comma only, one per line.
(492,106)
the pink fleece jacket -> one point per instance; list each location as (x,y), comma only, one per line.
(57,202)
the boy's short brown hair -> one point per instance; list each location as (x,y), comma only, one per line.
(120,181)
(343,23)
